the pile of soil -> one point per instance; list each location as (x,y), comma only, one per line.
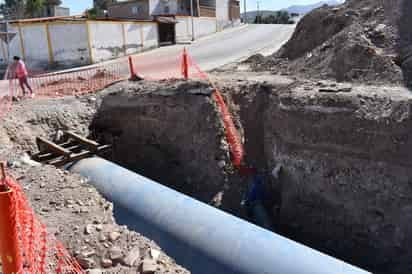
(364,41)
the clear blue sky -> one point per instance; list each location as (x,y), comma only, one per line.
(78,6)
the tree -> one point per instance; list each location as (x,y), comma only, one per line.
(34,7)
(91,13)
(279,17)
(102,4)
(13,9)
(49,4)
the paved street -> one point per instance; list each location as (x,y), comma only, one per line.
(226,47)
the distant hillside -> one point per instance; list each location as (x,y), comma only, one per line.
(301,9)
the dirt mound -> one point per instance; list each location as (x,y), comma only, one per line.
(359,41)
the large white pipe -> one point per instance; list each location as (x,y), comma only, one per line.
(200,237)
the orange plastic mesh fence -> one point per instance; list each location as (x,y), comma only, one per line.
(78,81)
(41,252)
(232,134)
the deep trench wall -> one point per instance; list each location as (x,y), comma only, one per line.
(346,185)
(175,138)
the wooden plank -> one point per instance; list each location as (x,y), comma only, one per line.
(79,156)
(92,145)
(41,157)
(53,147)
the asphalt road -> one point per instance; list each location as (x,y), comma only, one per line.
(221,48)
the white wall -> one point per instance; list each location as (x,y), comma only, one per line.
(150,35)
(70,44)
(35,45)
(183,29)
(203,26)
(15,46)
(222,14)
(222,10)
(134,34)
(106,40)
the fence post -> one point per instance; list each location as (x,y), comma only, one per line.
(9,247)
(185,65)
(133,74)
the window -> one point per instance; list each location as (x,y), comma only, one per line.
(135,10)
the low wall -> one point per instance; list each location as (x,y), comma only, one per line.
(150,36)
(73,51)
(36,50)
(68,44)
(203,26)
(225,24)
(102,47)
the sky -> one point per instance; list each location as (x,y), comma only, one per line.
(78,6)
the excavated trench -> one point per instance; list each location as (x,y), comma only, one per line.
(345,187)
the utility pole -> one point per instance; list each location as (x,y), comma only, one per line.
(244,13)
(193,23)
(6,15)
(258,12)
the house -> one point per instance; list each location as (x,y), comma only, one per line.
(148,9)
(209,16)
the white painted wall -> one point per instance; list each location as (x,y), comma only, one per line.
(222,15)
(35,45)
(15,47)
(183,29)
(150,35)
(222,10)
(134,34)
(69,43)
(203,26)
(106,40)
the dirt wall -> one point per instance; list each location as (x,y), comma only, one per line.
(173,135)
(346,185)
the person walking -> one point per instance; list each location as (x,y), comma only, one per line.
(22,74)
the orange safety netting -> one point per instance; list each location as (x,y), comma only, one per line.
(40,252)
(232,134)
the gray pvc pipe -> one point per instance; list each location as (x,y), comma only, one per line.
(200,237)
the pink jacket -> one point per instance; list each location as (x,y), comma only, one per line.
(21,70)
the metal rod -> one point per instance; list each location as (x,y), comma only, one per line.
(193,22)
(3,174)
(7,41)
(245,14)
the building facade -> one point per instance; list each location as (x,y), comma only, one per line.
(224,10)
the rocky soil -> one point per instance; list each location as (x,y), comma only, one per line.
(71,209)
